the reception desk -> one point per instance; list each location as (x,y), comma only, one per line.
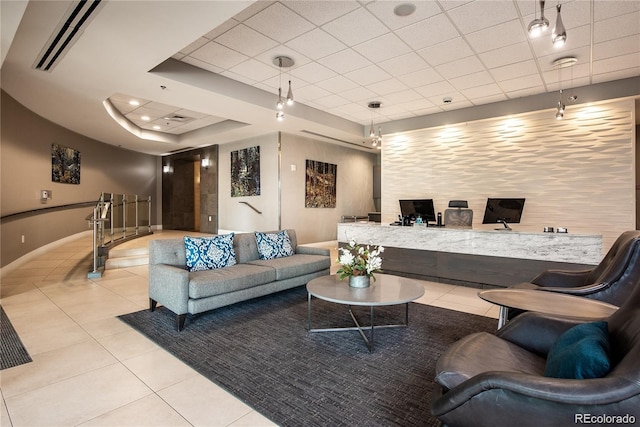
(482,258)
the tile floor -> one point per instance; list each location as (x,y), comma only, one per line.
(90,369)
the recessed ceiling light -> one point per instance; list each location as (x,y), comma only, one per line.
(145,118)
(404,9)
(134,102)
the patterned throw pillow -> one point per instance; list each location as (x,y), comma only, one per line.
(274,245)
(207,253)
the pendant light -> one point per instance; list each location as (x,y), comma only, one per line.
(538,25)
(283,62)
(559,35)
(376,139)
(560,107)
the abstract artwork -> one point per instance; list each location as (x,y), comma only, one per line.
(320,187)
(245,172)
(65,164)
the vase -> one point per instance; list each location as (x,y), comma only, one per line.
(359,281)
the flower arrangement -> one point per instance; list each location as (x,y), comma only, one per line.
(357,260)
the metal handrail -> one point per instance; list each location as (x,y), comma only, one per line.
(251,206)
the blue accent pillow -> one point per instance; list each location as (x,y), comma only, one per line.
(207,253)
(274,245)
(581,352)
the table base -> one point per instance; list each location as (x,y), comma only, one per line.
(367,340)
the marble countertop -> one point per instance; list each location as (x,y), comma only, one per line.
(558,247)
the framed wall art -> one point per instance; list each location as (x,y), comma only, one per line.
(245,172)
(65,164)
(320,185)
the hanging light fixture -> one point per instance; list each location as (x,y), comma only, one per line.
(376,139)
(538,25)
(559,34)
(283,62)
(560,107)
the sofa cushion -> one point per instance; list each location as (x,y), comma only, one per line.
(581,352)
(484,352)
(206,253)
(295,265)
(208,283)
(274,245)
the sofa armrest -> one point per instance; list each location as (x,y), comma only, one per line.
(169,286)
(312,250)
(545,328)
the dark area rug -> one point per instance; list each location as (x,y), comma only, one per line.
(261,352)
(12,351)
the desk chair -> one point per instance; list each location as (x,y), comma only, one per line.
(459,214)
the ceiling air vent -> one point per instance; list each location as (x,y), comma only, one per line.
(179,118)
(68,31)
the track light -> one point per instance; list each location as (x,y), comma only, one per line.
(559,35)
(538,25)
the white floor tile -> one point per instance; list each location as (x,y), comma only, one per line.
(149,411)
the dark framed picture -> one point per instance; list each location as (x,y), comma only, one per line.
(65,164)
(320,185)
(245,172)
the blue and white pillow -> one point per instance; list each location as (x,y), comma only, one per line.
(207,253)
(274,245)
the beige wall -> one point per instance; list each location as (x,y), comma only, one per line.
(25,153)
(281,186)
(577,173)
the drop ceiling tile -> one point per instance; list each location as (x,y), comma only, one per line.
(321,12)
(402,97)
(255,70)
(483,91)
(428,32)
(238,77)
(418,105)
(158,108)
(489,99)
(460,67)
(216,54)
(193,46)
(511,71)
(420,78)
(610,9)
(622,46)
(576,38)
(501,35)
(447,51)
(316,44)
(355,110)
(368,75)
(404,64)
(478,15)
(253,8)
(574,14)
(472,80)
(355,27)
(337,84)
(618,64)
(439,88)
(616,75)
(384,10)
(313,72)
(279,22)
(123,107)
(386,87)
(506,55)
(618,27)
(360,95)
(382,48)
(310,92)
(220,29)
(331,101)
(521,93)
(345,61)
(527,82)
(244,39)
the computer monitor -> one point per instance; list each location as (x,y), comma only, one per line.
(503,210)
(420,207)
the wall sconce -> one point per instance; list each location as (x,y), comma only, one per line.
(166,169)
(205,163)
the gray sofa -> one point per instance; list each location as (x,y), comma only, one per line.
(184,292)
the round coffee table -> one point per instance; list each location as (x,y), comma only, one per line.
(385,290)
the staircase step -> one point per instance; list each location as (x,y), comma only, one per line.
(126,261)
